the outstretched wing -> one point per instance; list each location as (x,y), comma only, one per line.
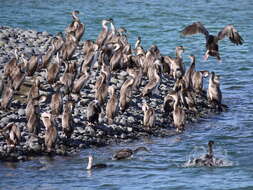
(232,34)
(194,28)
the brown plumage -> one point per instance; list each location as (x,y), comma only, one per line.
(51,131)
(12,134)
(53,70)
(214,93)
(56,102)
(127,153)
(67,120)
(102,37)
(125,93)
(149,116)
(211,40)
(112,105)
(7,96)
(81,81)
(197,80)
(101,88)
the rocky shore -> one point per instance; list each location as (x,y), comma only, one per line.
(126,127)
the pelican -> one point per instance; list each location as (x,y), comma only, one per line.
(125,93)
(112,105)
(32,64)
(18,76)
(214,93)
(45,59)
(51,131)
(93,111)
(212,40)
(127,153)
(96,166)
(58,41)
(149,116)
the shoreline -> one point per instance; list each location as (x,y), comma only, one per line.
(127,126)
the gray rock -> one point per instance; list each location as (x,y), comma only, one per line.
(21,112)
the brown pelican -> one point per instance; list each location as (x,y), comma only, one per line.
(101,88)
(211,40)
(149,116)
(78,26)
(56,102)
(12,134)
(51,131)
(67,120)
(214,93)
(102,37)
(81,81)
(127,153)
(197,80)
(93,111)
(137,74)
(178,112)
(32,116)
(176,64)
(96,166)
(112,105)
(125,93)
(168,103)
(7,96)
(53,70)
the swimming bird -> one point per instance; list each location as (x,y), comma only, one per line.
(127,153)
(93,111)
(214,93)
(212,40)
(95,166)
(149,116)
(112,105)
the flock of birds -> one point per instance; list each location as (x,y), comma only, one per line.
(110,52)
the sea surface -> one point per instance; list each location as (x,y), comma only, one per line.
(157,22)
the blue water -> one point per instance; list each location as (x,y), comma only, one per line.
(157,22)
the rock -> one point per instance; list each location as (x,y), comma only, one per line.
(21,112)
(130,129)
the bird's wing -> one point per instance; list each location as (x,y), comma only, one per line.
(194,28)
(232,34)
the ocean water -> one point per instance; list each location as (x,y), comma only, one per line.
(157,22)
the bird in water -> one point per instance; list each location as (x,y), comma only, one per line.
(208,159)
(127,153)
(90,165)
(212,48)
